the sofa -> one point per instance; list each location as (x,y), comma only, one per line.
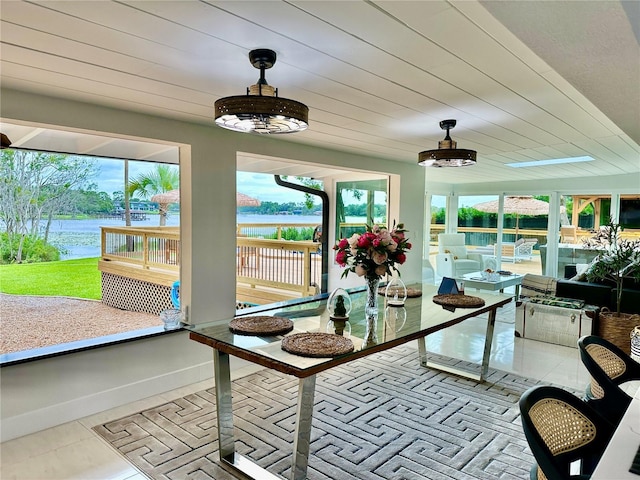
(603,295)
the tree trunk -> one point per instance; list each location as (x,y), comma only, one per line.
(164,207)
(19,252)
(127,207)
(48,227)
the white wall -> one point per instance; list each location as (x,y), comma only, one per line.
(44,393)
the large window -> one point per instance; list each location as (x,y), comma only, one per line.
(62,219)
(360,203)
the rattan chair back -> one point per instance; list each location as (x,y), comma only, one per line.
(562,430)
(610,363)
(609,367)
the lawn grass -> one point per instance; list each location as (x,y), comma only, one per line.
(78,278)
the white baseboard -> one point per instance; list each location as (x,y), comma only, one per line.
(53,415)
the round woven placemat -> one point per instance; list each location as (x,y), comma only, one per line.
(317,345)
(459,301)
(411,292)
(261,325)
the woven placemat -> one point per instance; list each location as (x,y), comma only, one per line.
(261,325)
(317,345)
(411,292)
(458,301)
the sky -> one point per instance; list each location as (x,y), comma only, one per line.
(111,176)
(257,185)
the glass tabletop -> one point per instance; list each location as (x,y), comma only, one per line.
(393,326)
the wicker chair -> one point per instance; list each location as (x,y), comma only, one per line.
(562,429)
(609,368)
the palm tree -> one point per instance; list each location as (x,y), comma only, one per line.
(163,179)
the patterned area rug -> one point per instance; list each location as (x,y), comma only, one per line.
(381,417)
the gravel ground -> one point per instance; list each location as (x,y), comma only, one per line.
(28,322)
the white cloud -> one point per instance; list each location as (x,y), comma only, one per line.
(265,189)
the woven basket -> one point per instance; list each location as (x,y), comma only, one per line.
(617,328)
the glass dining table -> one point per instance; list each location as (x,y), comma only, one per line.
(391,327)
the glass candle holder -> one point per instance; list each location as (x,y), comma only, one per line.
(339,304)
(395,293)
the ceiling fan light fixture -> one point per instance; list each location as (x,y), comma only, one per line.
(447,154)
(261,110)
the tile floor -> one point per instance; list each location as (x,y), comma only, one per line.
(73,451)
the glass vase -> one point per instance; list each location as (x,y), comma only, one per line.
(371,305)
(371,331)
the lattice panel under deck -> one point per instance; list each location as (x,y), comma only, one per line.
(134,295)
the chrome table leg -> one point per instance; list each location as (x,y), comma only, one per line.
(486,355)
(226,438)
(304,415)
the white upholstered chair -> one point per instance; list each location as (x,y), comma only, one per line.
(453,259)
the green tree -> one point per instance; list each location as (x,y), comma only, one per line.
(35,186)
(91,202)
(161,180)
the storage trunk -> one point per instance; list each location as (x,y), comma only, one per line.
(553,324)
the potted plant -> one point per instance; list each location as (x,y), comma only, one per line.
(618,260)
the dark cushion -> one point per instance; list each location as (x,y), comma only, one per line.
(591,293)
(570,271)
(630,300)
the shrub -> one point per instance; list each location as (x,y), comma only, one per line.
(34,250)
(296,234)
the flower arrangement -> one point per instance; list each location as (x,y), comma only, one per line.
(373,253)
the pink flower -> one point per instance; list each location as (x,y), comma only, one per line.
(360,270)
(377,251)
(379,258)
(364,241)
(385,236)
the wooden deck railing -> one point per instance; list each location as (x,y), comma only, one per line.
(146,247)
(266,270)
(269,230)
(541,235)
(274,270)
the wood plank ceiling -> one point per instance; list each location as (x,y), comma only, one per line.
(525,80)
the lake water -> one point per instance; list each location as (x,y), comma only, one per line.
(81,238)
